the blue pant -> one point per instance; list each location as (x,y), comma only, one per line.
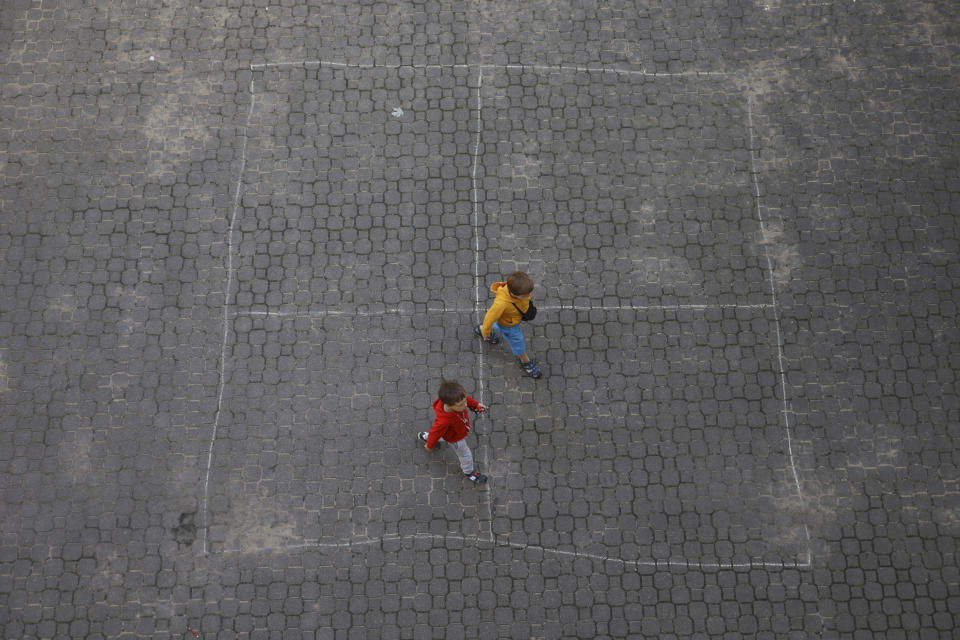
(514,337)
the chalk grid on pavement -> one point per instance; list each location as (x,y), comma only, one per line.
(312,320)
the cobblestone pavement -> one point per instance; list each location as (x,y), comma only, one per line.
(242,241)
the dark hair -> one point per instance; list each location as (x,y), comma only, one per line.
(451,392)
(519,284)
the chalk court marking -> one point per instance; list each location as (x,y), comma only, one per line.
(491,538)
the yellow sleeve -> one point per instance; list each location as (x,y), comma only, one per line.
(493,314)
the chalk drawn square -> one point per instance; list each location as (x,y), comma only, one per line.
(345,203)
(662,439)
(317,443)
(630,189)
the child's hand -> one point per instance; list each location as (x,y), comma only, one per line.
(481,408)
(427,447)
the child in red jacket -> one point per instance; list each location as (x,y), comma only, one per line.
(453,424)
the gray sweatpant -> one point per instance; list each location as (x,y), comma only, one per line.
(463,454)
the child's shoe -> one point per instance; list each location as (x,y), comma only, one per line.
(531,368)
(477,477)
(494,336)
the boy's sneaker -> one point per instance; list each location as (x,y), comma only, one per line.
(422,437)
(476,476)
(531,368)
(494,336)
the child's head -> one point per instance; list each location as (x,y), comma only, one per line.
(519,284)
(452,393)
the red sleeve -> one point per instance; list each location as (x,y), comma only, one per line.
(472,404)
(436,432)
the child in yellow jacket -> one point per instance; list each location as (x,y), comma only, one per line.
(509,308)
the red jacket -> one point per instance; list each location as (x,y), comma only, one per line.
(451,426)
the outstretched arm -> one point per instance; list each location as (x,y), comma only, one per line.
(433,437)
(475,406)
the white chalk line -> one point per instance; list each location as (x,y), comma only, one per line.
(350,65)
(475,197)
(204,525)
(675,563)
(785,409)
(651,307)
(509,67)
(615,70)
(462,310)
(319,313)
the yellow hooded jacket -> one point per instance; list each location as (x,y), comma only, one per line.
(502,310)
